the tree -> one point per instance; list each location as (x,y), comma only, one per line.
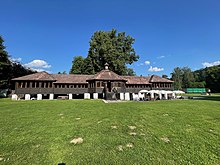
(108,47)
(177,77)
(197,84)
(213,78)
(130,72)
(188,77)
(77,65)
(5,66)
(210,77)
(164,76)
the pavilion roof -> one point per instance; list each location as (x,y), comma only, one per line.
(102,75)
(155,78)
(107,75)
(71,78)
(40,76)
(136,80)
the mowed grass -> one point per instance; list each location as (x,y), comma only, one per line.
(167,132)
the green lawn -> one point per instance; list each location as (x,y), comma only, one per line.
(167,132)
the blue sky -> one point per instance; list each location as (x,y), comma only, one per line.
(47,34)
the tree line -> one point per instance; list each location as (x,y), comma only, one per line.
(203,78)
(10,69)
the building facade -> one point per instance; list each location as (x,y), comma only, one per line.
(104,85)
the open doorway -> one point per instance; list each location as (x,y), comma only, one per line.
(109,86)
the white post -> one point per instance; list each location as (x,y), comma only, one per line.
(135,96)
(95,95)
(166,96)
(86,95)
(39,96)
(70,96)
(27,96)
(51,96)
(152,95)
(173,95)
(127,96)
(122,96)
(160,96)
(14,97)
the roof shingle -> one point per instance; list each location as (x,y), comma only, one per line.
(37,77)
(106,75)
(155,78)
(136,80)
(102,75)
(71,78)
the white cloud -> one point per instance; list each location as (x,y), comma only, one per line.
(209,64)
(38,64)
(160,57)
(147,62)
(155,69)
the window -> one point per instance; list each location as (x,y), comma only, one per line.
(37,84)
(98,84)
(19,85)
(50,84)
(28,85)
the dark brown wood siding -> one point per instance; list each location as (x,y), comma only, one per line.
(70,90)
(34,90)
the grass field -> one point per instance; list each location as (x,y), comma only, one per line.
(163,132)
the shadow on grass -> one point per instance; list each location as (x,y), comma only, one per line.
(211,98)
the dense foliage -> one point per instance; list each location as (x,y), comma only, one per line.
(107,47)
(5,65)
(77,65)
(208,77)
(211,76)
